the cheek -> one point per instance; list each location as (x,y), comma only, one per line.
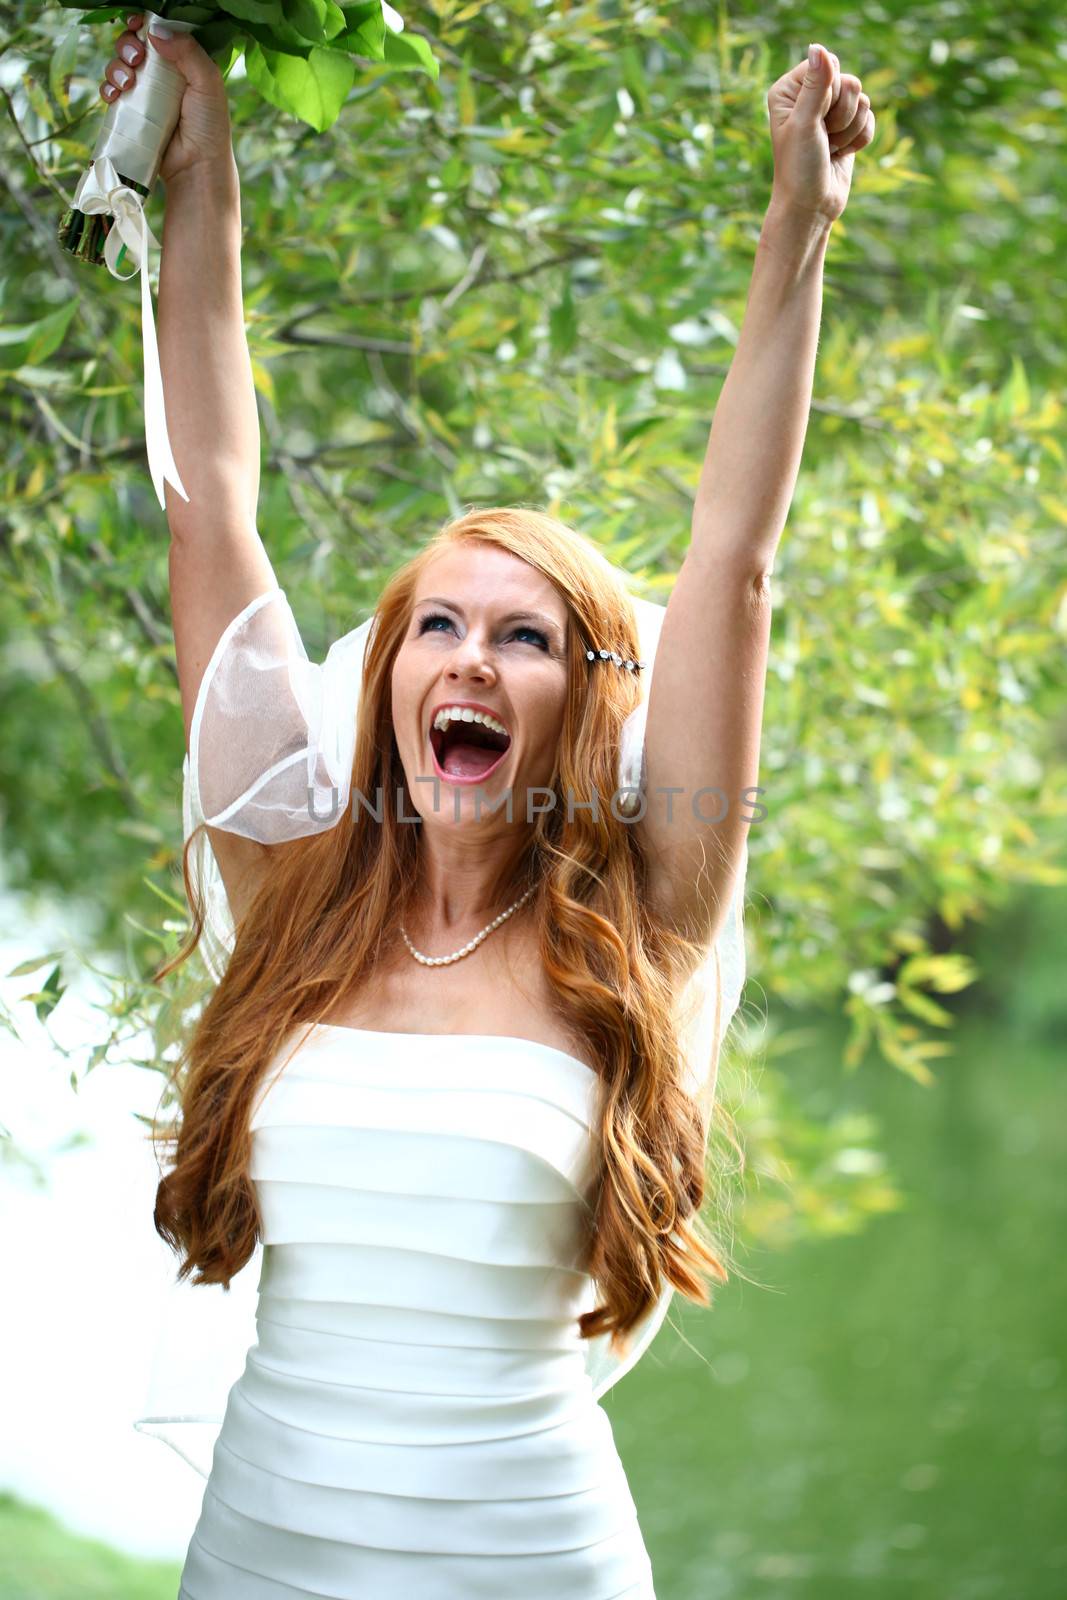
(547,726)
(399,688)
(409,701)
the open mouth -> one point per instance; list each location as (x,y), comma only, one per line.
(466,750)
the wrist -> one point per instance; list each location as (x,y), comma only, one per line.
(797,239)
(791,221)
(218,180)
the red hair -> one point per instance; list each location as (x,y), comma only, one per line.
(321,914)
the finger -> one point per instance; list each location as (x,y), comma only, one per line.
(839,116)
(129,50)
(119,76)
(853,129)
(862,139)
(799,73)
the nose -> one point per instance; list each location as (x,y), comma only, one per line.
(470,659)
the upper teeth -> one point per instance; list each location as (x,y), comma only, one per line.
(464,714)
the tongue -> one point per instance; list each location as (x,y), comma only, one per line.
(469,760)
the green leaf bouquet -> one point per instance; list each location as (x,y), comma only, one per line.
(300,55)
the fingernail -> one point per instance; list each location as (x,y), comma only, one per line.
(813,56)
(122,76)
(159,30)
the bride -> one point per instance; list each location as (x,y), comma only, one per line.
(454,1078)
(445,1078)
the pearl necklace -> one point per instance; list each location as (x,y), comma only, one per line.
(443,961)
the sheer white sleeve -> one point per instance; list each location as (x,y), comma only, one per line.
(201,1345)
(270,745)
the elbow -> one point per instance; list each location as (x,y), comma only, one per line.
(761,584)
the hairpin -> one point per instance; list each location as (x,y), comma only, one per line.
(613,655)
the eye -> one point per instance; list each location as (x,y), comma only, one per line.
(439,616)
(435,616)
(537,634)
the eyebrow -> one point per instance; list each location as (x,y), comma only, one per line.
(512,616)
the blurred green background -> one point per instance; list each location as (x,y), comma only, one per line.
(523,283)
(886,1413)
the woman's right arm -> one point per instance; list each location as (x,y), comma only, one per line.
(217,560)
(207,372)
(218,563)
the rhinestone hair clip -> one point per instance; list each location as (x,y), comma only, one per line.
(613,655)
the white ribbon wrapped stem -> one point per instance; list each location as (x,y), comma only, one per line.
(130,147)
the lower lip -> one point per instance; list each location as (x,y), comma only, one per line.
(464,783)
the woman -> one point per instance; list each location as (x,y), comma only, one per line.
(445,1077)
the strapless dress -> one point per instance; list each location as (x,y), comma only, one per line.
(415,1418)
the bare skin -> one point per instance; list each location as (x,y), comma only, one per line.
(471,654)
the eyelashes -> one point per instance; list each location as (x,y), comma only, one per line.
(439,616)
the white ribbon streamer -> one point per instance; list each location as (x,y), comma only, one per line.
(102,190)
(133,139)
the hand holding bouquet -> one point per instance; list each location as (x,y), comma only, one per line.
(171,115)
(203,136)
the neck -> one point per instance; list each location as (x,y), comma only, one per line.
(459,890)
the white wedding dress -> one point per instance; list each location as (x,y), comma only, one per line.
(415,1418)
(406,1409)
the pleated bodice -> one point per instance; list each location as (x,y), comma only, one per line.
(415,1416)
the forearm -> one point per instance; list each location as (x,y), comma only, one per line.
(208,390)
(757,435)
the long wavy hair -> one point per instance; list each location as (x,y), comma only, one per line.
(319,918)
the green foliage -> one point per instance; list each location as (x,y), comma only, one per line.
(298,53)
(523,284)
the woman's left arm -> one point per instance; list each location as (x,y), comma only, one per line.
(705,708)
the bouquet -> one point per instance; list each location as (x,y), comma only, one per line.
(300,55)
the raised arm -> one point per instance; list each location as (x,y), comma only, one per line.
(705,709)
(218,563)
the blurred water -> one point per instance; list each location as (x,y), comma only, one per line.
(889,1416)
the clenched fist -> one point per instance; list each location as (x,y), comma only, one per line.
(819,119)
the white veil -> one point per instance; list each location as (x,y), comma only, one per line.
(270,756)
